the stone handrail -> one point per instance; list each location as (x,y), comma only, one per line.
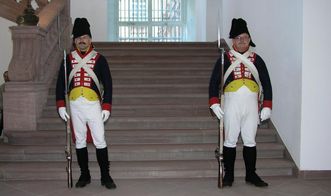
(37,48)
(37,54)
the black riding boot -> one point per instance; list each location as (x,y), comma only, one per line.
(229,157)
(82,158)
(106,180)
(249,154)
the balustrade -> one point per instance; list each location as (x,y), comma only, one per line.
(37,54)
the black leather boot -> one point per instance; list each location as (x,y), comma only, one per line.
(106,180)
(229,157)
(82,158)
(249,154)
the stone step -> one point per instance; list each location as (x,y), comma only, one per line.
(174,53)
(145,110)
(157,80)
(162,67)
(153,99)
(139,169)
(159,56)
(171,97)
(171,54)
(159,60)
(156,73)
(156,45)
(161,52)
(192,65)
(144,73)
(141,123)
(171,80)
(154,89)
(133,137)
(141,152)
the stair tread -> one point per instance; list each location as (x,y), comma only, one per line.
(152,86)
(144,165)
(161,68)
(28,149)
(139,119)
(134,136)
(168,118)
(139,170)
(178,95)
(48,133)
(144,106)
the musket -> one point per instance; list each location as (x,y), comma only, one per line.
(219,148)
(68,148)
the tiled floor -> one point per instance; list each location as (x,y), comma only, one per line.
(170,187)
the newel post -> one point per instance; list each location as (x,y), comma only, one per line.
(25,94)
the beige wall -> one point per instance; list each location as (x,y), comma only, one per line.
(316,93)
(95,12)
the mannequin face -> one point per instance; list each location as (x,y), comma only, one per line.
(241,42)
(83,42)
(5,76)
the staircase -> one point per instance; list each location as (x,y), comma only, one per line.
(160,125)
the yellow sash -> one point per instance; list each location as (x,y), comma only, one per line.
(88,93)
(236,84)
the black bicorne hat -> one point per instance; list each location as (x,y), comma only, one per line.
(81,27)
(238,27)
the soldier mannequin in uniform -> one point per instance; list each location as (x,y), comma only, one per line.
(2,89)
(86,71)
(245,77)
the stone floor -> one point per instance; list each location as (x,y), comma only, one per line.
(286,186)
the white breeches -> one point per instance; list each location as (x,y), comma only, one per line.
(87,112)
(240,117)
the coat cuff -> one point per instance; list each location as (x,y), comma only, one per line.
(267,103)
(213,100)
(60,103)
(106,106)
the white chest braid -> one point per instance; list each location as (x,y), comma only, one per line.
(86,68)
(242,58)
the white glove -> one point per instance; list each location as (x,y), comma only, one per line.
(63,113)
(105,115)
(216,107)
(265,113)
